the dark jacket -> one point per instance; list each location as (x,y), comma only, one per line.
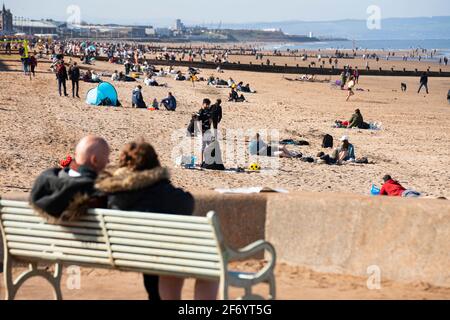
(74,73)
(60,197)
(356,121)
(138,99)
(216,115)
(145,191)
(204,115)
(61,73)
(424,79)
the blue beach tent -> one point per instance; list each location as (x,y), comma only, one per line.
(103,95)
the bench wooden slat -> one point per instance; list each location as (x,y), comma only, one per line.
(162,245)
(66,243)
(68,258)
(51,234)
(164,224)
(161,231)
(30,212)
(17,204)
(186,271)
(51,249)
(165,253)
(54,228)
(36,219)
(151,216)
(167,261)
(170,239)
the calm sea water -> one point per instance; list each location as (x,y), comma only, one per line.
(443,46)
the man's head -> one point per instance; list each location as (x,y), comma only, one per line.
(357,111)
(206,103)
(92,152)
(75,64)
(219,102)
(386,178)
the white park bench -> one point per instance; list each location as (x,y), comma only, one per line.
(149,243)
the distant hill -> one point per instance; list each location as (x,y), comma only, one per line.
(391,29)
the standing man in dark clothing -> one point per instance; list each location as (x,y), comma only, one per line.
(74,75)
(423,82)
(61,75)
(216,115)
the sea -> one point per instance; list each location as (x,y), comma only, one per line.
(441,45)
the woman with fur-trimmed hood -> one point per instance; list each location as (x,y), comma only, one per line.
(141,184)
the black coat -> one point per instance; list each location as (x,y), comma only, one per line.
(58,196)
(146,191)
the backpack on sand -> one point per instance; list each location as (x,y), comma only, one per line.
(327,141)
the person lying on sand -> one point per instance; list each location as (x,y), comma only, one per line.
(246,88)
(258,147)
(393,188)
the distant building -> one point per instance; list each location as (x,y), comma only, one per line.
(311,35)
(32,27)
(6,21)
(179,26)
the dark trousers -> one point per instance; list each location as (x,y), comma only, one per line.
(33,70)
(151,284)
(423,85)
(62,83)
(75,87)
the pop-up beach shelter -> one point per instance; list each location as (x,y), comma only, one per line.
(104,95)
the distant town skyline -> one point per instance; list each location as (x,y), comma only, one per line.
(206,12)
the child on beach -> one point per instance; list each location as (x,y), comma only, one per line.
(350,86)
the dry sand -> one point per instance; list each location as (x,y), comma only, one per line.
(38,128)
(293,283)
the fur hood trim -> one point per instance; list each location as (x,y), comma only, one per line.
(77,208)
(125,179)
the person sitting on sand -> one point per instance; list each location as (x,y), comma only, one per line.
(151,82)
(234,96)
(258,147)
(63,194)
(141,184)
(180,77)
(87,76)
(170,103)
(138,99)
(393,188)
(341,155)
(357,121)
(115,76)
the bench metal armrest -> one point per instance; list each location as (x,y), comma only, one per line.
(249,251)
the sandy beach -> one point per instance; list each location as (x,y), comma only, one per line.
(38,128)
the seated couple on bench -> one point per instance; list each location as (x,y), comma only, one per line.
(140,184)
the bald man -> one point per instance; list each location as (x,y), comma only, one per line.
(65,194)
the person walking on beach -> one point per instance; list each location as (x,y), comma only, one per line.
(423,82)
(350,86)
(445,60)
(61,75)
(356,75)
(33,65)
(74,74)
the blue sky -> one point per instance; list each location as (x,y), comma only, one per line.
(163,12)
